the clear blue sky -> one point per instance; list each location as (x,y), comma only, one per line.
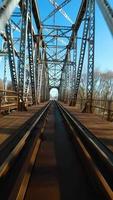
(104,40)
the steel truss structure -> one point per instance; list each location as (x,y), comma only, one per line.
(11,56)
(44,56)
(87,14)
(24,24)
(91,42)
(82,51)
(55,51)
(24,51)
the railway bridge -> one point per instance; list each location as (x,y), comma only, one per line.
(56,129)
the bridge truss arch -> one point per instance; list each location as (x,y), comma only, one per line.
(44,56)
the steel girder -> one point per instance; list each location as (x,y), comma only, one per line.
(57,9)
(39,86)
(5,38)
(78,21)
(74,63)
(52,50)
(34,9)
(43,77)
(68,77)
(82,51)
(30,51)
(64,89)
(76,27)
(5,65)
(11,56)
(107,12)
(73,80)
(64,85)
(22,49)
(35,12)
(91,42)
(6,11)
(37,55)
(46,83)
(26,82)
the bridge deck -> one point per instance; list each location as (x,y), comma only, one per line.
(101,128)
(58,172)
(9,124)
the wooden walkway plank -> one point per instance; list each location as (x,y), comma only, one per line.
(101,128)
(9,124)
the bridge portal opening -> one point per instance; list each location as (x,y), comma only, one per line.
(54,94)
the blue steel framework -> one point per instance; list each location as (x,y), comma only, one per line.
(50,64)
(24,11)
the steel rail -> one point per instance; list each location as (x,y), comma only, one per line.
(100,154)
(6,165)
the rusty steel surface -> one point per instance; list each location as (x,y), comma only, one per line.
(58,172)
(101,128)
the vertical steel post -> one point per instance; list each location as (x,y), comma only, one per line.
(36,68)
(74,69)
(5,66)
(26,82)
(11,56)
(43,76)
(82,51)
(91,42)
(30,51)
(21,66)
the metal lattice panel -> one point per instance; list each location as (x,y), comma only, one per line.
(11,56)
(90,74)
(26,82)
(74,66)
(82,51)
(55,51)
(74,63)
(57,8)
(30,51)
(36,66)
(23,48)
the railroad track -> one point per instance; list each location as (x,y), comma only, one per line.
(20,152)
(13,140)
(97,158)
(57,158)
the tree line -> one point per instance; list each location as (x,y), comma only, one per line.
(102,87)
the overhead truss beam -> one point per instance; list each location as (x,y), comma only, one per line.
(107,12)
(76,27)
(6,11)
(56,9)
